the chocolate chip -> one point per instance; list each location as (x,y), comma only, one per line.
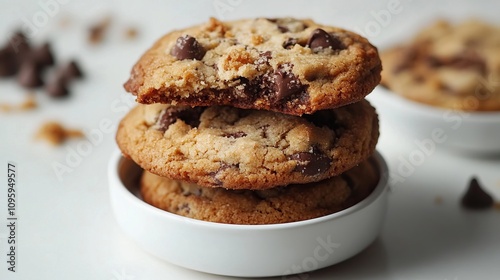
(322,118)
(283,29)
(167,117)
(12,55)
(467,60)
(476,197)
(71,71)
(8,63)
(235,135)
(18,44)
(170,115)
(57,88)
(289,43)
(286,83)
(191,116)
(42,55)
(264,58)
(186,47)
(320,40)
(29,75)
(311,163)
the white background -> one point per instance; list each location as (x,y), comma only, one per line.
(66,229)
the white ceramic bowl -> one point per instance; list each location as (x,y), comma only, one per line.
(245,250)
(467,132)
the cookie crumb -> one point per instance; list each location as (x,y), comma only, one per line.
(98,30)
(28,104)
(131,33)
(56,134)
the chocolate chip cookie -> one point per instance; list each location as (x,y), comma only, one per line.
(447,65)
(284,65)
(222,146)
(278,205)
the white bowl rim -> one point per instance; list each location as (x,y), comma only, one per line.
(117,183)
(434,111)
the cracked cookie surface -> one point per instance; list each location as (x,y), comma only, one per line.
(455,66)
(233,148)
(285,65)
(278,205)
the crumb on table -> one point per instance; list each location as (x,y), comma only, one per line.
(98,30)
(28,104)
(56,134)
(131,33)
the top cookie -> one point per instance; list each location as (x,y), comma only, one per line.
(285,65)
(450,66)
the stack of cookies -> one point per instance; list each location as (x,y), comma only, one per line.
(257,121)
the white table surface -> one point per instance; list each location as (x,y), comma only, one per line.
(65,228)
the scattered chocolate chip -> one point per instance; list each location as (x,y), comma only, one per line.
(187,47)
(311,163)
(320,40)
(289,43)
(57,87)
(13,54)
(235,135)
(475,197)
(42,55)
(8,63)
(18,44)
(286,83)
(70,71)
(58,84)
(29,75)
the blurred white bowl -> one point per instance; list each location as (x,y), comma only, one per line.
(466,132)
(245,250)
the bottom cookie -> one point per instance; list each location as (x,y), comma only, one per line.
(272,206)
